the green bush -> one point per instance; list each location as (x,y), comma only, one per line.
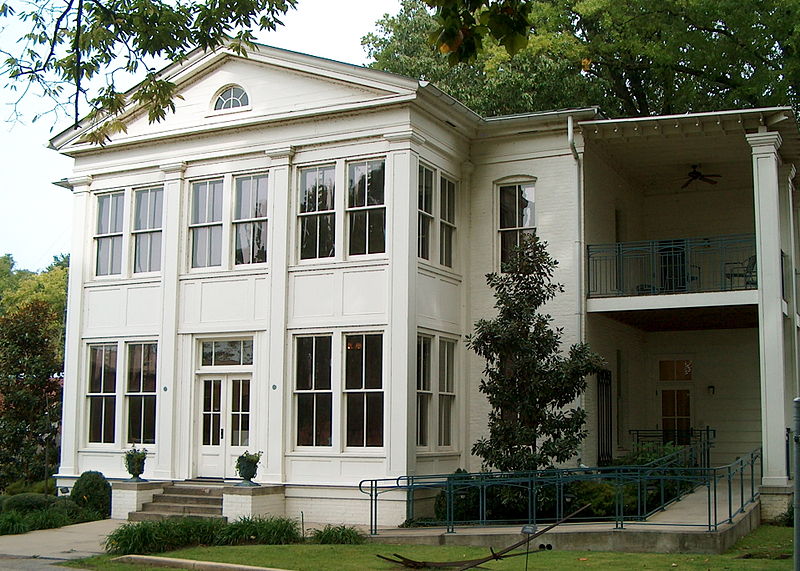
(338,534)
(3,501)
(73,511)
(47,519)
(259,530)
(92,491)
(165,535)
(786,519)
(22,486)
(28,502)
(12,523)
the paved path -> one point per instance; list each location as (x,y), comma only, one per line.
(41,549)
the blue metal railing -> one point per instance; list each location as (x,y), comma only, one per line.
(685,265)
(619,494)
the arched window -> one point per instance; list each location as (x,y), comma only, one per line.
(232,97)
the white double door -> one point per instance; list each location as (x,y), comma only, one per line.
(224,427)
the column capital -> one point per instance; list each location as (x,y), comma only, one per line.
(404,139)
(80,183)
(280,156)
(764,142)
(788,171)
(173,170)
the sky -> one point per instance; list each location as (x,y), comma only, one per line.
(36,216)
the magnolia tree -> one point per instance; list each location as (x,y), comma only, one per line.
(530,384)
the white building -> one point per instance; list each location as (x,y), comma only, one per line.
(290,262)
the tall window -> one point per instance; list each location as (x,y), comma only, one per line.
(240,412)
(313,391)
(206,223)
(517,216)
(365,207)
(423,388)
(447,397)
(250,219)
(364,390)
(447,220)
(102,392)
(317,216)
(148,207)
(224,353)
(425,212)
(141,393)
(108,239)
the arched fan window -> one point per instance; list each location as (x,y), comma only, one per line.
(231,98)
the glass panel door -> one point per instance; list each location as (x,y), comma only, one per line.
(676,418)
(224,424)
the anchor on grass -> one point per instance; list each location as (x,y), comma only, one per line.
(475,563)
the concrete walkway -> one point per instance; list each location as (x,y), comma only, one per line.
(41,549)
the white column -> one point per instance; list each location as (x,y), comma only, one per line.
(278,393)
(766,164)
(80,263)
(400,361)
(171,393)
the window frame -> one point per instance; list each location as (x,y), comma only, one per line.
(317,214)
(437,393)
(102,396)
(437,219)
(224,110)
(425,240)
(424,390)
(363,390)
(149,231)
(447,223)
(250,221)
(367,209)
(111,235)
(517,230)
(140,394)
(205,224)
(314,392)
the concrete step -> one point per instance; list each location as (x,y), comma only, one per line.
(187,499)
(184,490)
(157,507)
(154,516)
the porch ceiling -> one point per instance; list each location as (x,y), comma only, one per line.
(690,318)
(656,153)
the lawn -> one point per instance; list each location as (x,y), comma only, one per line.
(759,550)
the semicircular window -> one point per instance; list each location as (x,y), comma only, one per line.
(231,98)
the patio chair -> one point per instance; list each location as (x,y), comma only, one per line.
(742,272)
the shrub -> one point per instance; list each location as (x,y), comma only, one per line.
(73,511)
(786,519)
(28,502)
(259,530)
(92,491)
(12,523)
(47,486)
(157,536)
(338,534)
(47,519)
(3,501)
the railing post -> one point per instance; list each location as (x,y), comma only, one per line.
(373,507)
(619,501)
(482,501)
(448,500)
(730,495)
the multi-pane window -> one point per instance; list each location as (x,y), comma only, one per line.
(141,393)
(317,216)
(365,207)
(447,397)
(102,392)
(313,391)
(447,220)
(423,388)
(250,219)
(148,208)
(517,216)
(231,98)
(206,223)
(224,353)
(240,412)
(364,390)
(108,238)
(425,212)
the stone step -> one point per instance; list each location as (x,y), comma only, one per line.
(187,499)
(155,516)
(207,491)
(188,509)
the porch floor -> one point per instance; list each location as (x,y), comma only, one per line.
(681,527)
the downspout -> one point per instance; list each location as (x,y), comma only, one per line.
(579,247)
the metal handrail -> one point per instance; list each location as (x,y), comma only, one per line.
(677,265)
(653,487)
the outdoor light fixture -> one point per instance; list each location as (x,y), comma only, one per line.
(711,389)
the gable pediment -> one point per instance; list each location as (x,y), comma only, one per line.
(279,85)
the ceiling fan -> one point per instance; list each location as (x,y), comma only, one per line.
(695,174)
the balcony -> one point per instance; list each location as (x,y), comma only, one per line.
(683,265)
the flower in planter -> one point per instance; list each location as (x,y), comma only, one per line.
(134,463)
(247,466)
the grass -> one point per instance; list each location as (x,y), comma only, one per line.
(767,541)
